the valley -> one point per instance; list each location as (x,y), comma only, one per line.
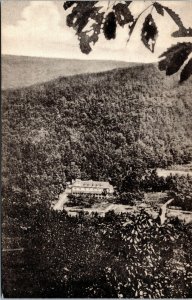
(128,126)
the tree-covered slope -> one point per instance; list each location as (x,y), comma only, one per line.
(99,124)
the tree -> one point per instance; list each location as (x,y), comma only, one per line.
(181,192)
(73,172)
(90,14)
(133,179)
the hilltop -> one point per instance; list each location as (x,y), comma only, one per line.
(97,124)
(21,71)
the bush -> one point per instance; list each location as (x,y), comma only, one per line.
(83,201)
(130,198)
(181,192)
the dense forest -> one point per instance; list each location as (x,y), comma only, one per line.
(93,126)
(118,126)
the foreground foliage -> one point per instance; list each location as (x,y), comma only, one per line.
(91,256)
(91,19)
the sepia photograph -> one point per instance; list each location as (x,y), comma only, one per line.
(96,161)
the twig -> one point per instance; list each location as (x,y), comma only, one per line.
(135,22)
(108,4)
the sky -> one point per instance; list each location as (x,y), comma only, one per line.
(38,28)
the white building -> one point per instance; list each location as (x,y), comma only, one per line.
(89,188)
(97,189)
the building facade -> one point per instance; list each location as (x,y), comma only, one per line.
(99,189)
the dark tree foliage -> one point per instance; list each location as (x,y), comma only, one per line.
(187,71)
(81,201)
(79,18)
(120,14)
(115,256)
(182,31)
(109,27)
(123,14)
(149,33)
(159,8)
(68,4)
(175,57)
(181,192)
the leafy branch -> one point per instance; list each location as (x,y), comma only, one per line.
(132,26)
(91,14)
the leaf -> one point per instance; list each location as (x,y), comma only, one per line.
(149,33)
(175,17)
(79,18)
(84,43)
(183,32)
(80,15)
(187,71)
(86,39)
(159,8)
(123,14)
(175,57)
(110,26)
(68,4)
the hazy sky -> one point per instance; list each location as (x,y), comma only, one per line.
(38,28)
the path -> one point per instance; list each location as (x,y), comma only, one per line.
(62,200)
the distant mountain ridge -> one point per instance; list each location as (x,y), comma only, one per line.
(22,71)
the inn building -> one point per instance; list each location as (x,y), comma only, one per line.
(99,189)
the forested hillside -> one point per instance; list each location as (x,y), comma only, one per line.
(96,126)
